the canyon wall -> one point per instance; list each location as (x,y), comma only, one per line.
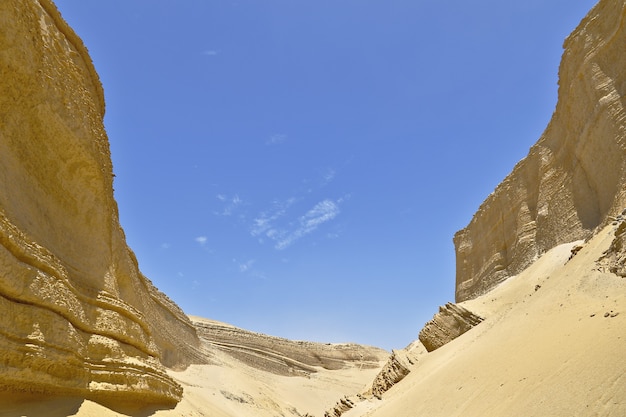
(573,179)
(77,316)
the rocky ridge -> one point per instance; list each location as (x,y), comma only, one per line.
(281,356)
(573,180)
(450,322)
(399,364)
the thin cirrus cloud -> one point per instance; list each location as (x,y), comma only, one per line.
(276,139)
(328,176)
(264,224)
(231,204)
(321,213)
(285,236)
(246,266)
(201,240)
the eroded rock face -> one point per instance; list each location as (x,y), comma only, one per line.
(573,178)
(77,316)
(397,367)
(282,356)
(450,322)
(614,259)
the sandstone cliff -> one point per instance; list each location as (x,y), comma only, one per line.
(573,178)
(77,315)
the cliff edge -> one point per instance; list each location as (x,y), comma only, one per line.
(574,178)
(78,317)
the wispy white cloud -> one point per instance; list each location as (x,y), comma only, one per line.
(344,199)
(246,266)
(165,246)
(322,212)
(328,175)
(210,52)
(265,223)
(230,204)
(201,240)
(276,138)
(276,226)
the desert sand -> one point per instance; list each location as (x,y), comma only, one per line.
(540,270)
(553,343)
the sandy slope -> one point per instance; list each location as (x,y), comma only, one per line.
(544,349)
(553,344)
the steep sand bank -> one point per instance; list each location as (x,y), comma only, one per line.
(553,343)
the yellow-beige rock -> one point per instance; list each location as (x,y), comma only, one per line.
(573,179)
(77,316)
(397,367)
(450,322)
(614,259)
(399,364)
(285,357)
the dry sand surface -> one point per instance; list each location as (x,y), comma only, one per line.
(553,343)
(228,387)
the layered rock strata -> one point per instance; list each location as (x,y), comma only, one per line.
(614,259)
(450,322)
(282,356)
(573,178)
(397,367)
(77,315)
(399,364)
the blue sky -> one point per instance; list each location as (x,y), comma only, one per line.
(299,168)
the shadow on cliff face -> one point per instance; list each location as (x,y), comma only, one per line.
(31,405)
(36,405)
(133,408)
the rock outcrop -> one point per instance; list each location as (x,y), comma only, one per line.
(450,322)
(342,406)
(397,367)
(574,177)
(281,356)
(614,259)
(78,317)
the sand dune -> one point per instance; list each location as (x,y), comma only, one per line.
(553,343)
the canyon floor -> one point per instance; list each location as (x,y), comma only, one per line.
(553,343)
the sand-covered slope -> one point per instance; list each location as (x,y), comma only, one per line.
(574,177)
(553,338)
(77,317)
(553,343)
